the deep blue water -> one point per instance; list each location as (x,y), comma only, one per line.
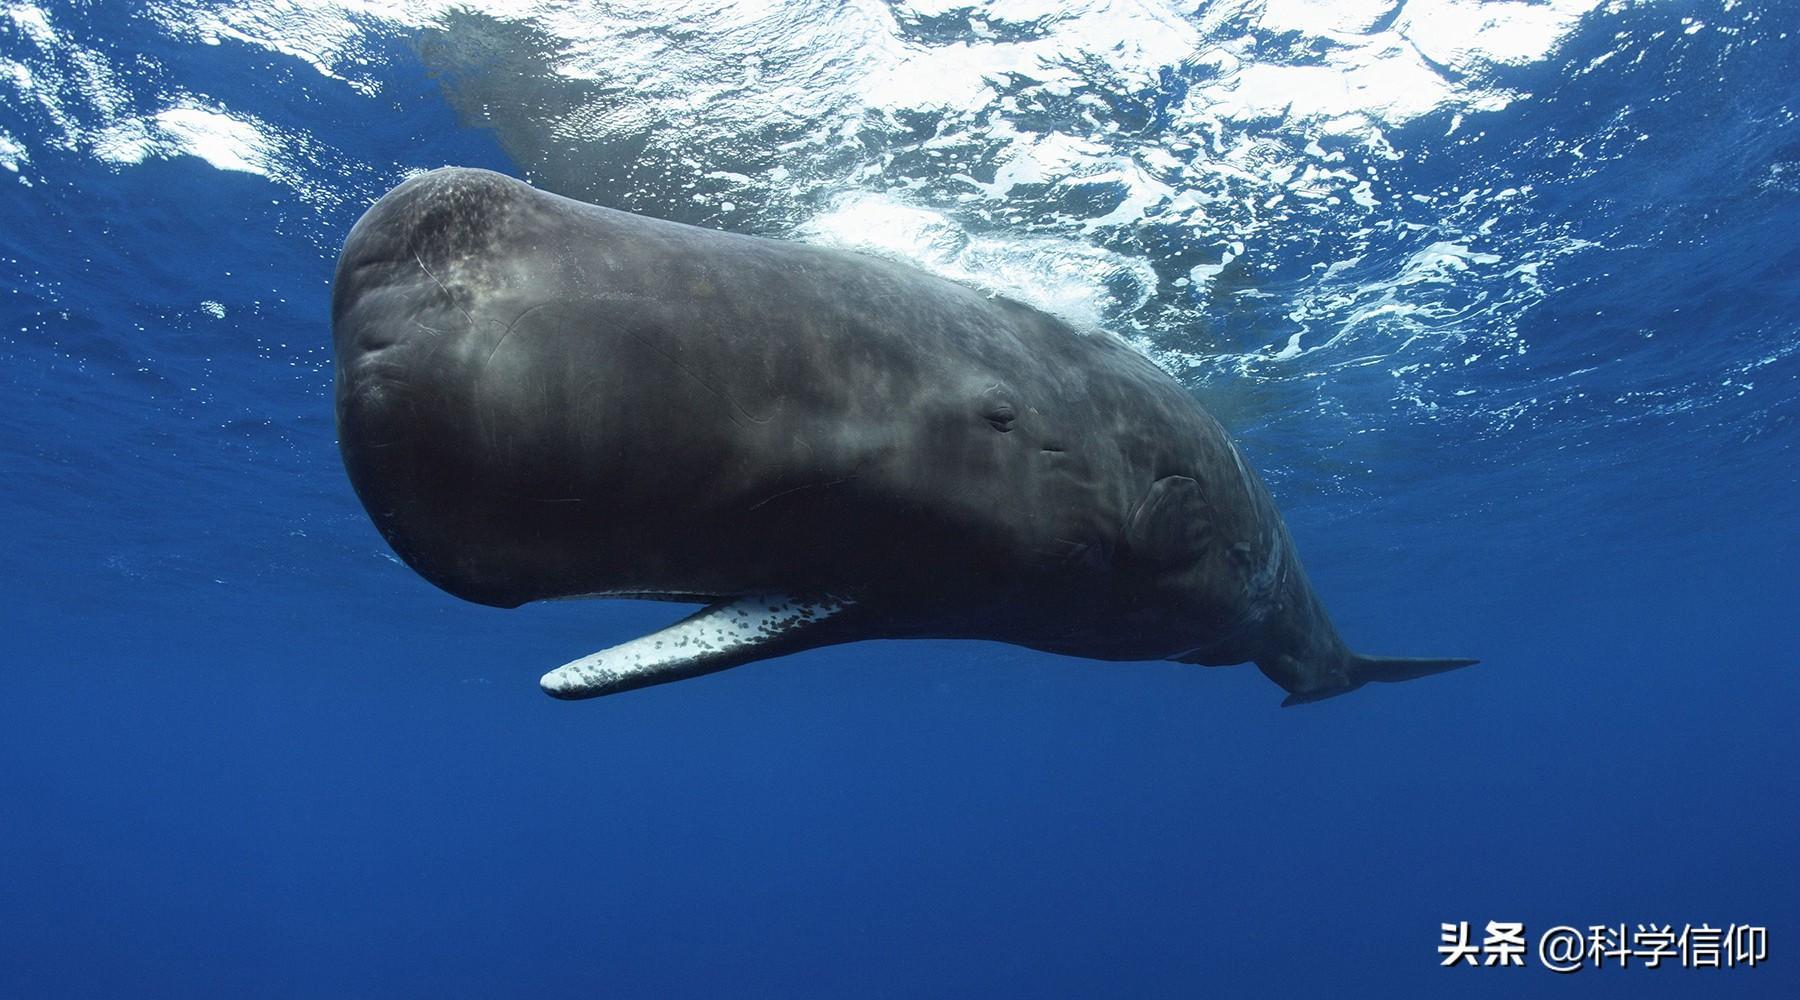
(244,752)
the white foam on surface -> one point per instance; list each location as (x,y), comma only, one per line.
(11,153)
(92,110)
(224,140)
(1072,279)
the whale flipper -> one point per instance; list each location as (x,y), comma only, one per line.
(1359,669)
(724,635)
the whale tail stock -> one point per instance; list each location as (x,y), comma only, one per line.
(1309,682)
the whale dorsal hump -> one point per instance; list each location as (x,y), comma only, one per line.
(1170,525)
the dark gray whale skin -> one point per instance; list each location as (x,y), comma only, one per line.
(539,398)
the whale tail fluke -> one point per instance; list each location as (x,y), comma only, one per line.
(1354,671)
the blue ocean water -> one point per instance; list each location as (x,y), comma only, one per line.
(1501,298)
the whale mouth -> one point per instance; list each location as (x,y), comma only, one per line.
(723,635)
(671,596)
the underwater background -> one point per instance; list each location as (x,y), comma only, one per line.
(1499,297)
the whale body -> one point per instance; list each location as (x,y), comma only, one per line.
(539,398)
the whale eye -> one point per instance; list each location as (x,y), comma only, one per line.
(1001,416)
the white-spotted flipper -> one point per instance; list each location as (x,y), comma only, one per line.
(724,635)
